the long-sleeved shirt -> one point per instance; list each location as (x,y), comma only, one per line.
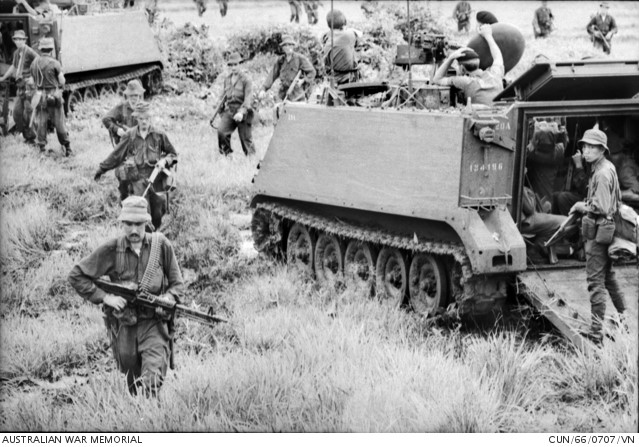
(238,89)
(145,151)
(130,269)
(605,24)
(462,11)
(604,194)
(22,60)
(286,70)
(120,114)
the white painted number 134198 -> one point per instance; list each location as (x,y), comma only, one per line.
(476,167)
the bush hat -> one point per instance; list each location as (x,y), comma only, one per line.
(134,209)
(486,17)
(19,34)
(234,58)
(287,40)
(469,54)
(134,87)
(142,109)
(46,43)
(596,137)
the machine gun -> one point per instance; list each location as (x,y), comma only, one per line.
(218,110)
(136,297)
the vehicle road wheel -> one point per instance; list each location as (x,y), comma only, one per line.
(75,98)
(106,90)
(427,284)
(300,246)
(329,258)
(359,265)
(90,93)
(390,275)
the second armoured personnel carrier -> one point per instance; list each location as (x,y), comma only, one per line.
(426,205)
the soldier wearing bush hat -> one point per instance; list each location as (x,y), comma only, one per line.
(19,69)
(481,86)
(601,28)
(286,69)
(598,227)
(49,80)
(237,112)
(338,49)
(141,339)
(141,149)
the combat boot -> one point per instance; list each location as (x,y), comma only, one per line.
(67,150)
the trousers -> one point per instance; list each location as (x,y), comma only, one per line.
(244,129)
(601,284)
(44,112)
(142,352)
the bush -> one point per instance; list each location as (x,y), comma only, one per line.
(189,52)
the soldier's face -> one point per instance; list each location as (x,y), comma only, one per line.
(133,231)
(234,68)
(592,152)
(144,122)
(287,49)
(19,41)
(133,99)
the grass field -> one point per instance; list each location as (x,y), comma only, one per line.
(294,357)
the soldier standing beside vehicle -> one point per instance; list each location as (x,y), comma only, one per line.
(49,80)
(20,69)
(118,121)
(598,227)
(602,27)
(339,50)
(462,16)
(481,86)
(286,68)
(543,21)
(141,339)
(139,150)
(237,111)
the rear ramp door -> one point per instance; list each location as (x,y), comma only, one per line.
(561,295)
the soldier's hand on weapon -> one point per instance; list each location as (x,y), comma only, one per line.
(114,301)
(120,132)
(579,207)
(238,117)
(159,311)
(609,35)
(578,160)
(97,175)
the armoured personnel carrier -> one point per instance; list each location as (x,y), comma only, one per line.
(425,204)
(99,50)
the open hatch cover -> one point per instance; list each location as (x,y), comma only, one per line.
(575,80)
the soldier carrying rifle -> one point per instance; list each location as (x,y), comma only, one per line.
(139,152)
(602,27)
(141,337)
(120,119)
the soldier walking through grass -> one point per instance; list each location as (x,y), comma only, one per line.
(118,121)
(236,112)
(141,339)
(139,151)
(20,70)
(543,21)
(49,80)
(601,28)
(598,228)
(462,14)
(286,68)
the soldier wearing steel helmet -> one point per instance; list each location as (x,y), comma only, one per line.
(49,81)
(598,227)
(340,58)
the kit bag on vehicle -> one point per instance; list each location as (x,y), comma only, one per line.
(626,224)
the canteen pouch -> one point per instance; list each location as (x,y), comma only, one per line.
(588,228)
(605,232)
(127,171)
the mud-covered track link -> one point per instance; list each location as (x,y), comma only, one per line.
(425,275)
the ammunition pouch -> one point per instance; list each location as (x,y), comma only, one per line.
(127,171)
(588,228)
(605,232)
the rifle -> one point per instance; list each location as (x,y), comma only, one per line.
(160,166)
(597,34)
(139,298)
(561,231)
(218,110)
(293,84)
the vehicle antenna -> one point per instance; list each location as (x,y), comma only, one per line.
(410,43)
(331,53)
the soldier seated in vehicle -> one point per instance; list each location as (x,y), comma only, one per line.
(481,86)
(543,156)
